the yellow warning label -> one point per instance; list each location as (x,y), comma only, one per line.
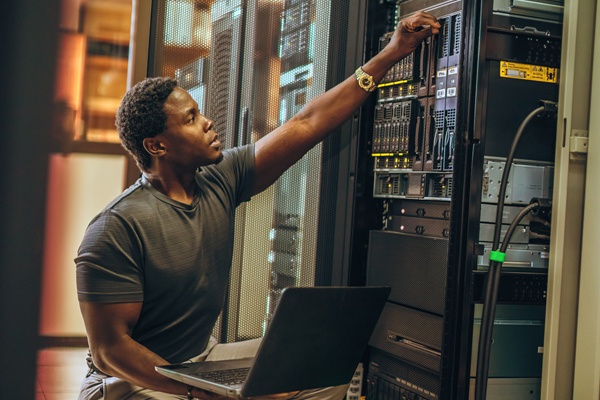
(528,72)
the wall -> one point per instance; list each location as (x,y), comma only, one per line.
(79,186)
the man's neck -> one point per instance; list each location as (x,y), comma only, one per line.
(176,187)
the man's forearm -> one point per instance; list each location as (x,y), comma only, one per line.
(277,151)
(134,363)
(329,110)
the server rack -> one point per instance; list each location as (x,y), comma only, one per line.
(442,127)
(418,164)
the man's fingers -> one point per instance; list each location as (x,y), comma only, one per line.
(421,21)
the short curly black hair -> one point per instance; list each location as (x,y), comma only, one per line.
(141,115)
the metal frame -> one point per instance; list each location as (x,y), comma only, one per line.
(563,374)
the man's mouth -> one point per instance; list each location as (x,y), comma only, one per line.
(215,144)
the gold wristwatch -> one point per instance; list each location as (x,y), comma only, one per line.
(365,81)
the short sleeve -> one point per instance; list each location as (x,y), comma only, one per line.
(234,175)
(108,264)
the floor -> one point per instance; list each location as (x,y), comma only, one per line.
(60,372)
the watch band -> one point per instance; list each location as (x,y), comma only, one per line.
(365,81)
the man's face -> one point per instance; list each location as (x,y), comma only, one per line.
(188,138)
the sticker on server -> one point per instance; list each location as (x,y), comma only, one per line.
(528,72)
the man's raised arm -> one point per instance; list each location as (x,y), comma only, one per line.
(283,147)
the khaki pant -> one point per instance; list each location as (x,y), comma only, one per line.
(98,386)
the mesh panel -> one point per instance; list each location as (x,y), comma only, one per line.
(251,65)
(220,84)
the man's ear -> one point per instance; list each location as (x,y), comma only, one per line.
(154,146)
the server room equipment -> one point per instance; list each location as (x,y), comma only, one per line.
(406,192)
(497,257)
(439,145)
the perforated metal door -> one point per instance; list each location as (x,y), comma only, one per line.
(251,65)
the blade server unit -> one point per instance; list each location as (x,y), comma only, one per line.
(442,126)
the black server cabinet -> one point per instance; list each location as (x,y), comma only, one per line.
(436,140)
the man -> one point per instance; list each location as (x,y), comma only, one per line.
(153,267)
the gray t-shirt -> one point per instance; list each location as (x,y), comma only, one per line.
(173,257)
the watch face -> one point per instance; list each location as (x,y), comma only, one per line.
(365,81)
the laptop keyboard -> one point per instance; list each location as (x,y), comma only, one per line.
(225,377)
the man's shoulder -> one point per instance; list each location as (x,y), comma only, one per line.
(126,197)
(235,154)
(234,158)
(129,203)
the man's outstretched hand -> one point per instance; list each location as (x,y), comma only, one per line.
(411,31)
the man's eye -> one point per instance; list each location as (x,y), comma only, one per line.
(192,119)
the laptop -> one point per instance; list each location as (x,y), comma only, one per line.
(316,339)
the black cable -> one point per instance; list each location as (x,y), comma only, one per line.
(483,356)
(515,223)
(493,282)
(506,172)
